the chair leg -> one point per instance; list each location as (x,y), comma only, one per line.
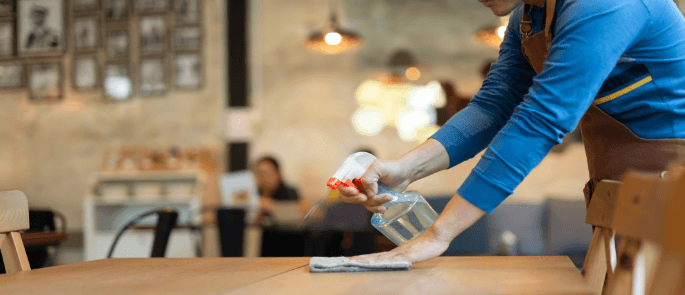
(595,265)
(628,277)
(13,252)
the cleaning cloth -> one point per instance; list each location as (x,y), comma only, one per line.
(343,264)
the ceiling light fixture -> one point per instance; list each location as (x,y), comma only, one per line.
(333,40)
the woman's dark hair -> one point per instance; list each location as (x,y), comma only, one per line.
(270,159)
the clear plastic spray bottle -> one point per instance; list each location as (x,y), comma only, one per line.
(406,216)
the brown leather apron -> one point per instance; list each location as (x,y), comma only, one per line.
(611,148)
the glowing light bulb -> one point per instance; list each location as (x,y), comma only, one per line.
(500,31)
(333,38)
(413,73)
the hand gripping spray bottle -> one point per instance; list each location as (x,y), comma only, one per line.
(406,216)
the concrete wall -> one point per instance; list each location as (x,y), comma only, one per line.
(305,100)
(50,151)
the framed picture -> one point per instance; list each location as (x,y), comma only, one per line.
(118,82)
(45,81)
(86,74)
(85,5)
(11,75)
(117,44)
(188,71)
(86,36)
(187,11)
(187,38)
(151,6)
(152,76)
(117,10)
(6,7)
(6,39)
(41,27)
(152,34)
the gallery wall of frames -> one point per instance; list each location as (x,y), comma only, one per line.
(121,48)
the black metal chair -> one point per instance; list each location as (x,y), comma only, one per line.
(166,221)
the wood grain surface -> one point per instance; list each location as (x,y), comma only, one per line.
(444,275)
(14,211)
(148,276)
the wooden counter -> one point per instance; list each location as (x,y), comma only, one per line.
(444,275)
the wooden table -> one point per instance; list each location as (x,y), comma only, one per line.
(444,275)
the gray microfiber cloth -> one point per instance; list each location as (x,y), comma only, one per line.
(342,264)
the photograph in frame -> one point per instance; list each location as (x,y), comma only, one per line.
(150,6)
(187,38)
(6,39)
(152,34)
(85,5)
(117,81)
(116,10)
(187,11)
(86,31)
(117,44)
(152,77)
(85,72)
(188,71)
(45,81)
(6,7)
(11,75)
(40,27)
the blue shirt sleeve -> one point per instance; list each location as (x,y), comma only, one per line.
(590,36)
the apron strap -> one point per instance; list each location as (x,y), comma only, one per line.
(551,6)
(527,24)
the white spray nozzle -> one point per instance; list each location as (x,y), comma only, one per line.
(351,170)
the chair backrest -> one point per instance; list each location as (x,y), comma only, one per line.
(14,217)
(166,222)
(652,257)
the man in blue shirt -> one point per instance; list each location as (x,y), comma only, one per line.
(618,65)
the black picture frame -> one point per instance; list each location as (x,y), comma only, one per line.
(150,84)
(123,92)
(181,67)
(90,6)
(180,41)
(152,6)
(117,11)
(44,68)
(115,51)
(78,68)
(184,13)
(151,41)
(96,29)
(51,39)
(8,38)
(6,68)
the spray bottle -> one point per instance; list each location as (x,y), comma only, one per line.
(406,216)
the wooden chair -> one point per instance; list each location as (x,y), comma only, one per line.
(600,260)
(14,217)
(650,218)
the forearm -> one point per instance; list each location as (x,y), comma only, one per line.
(458,215)
(426,159)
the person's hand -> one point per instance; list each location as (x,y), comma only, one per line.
(391,173)
(424,247)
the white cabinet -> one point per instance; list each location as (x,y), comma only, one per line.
(118,197)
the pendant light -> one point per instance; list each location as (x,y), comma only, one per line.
(333,39)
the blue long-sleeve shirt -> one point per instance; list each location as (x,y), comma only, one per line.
(625,56)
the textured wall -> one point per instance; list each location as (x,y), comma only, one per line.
(50,151)
(305,100)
